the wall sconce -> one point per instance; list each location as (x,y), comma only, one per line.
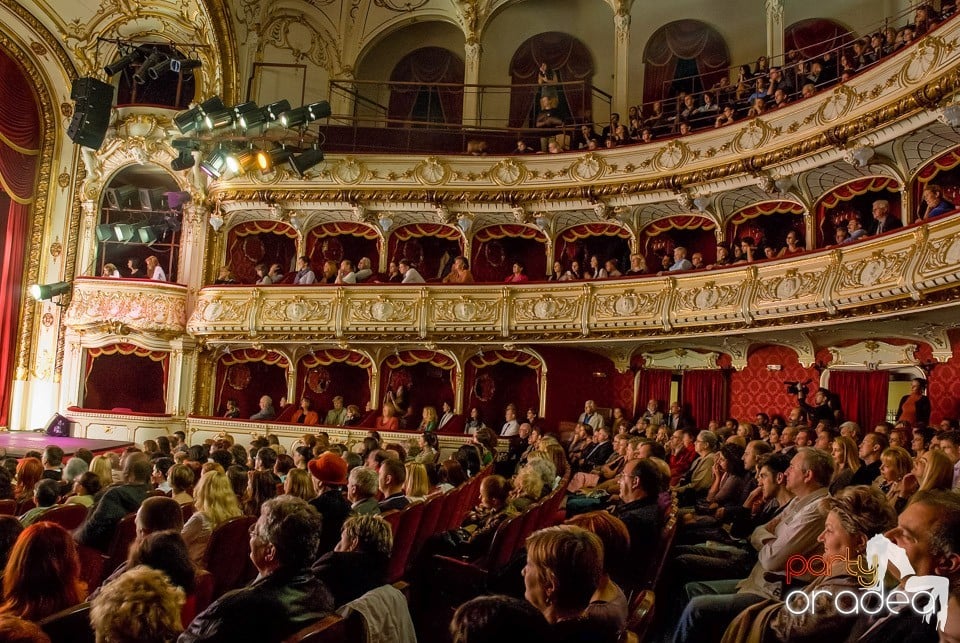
(464,222)
(385,222)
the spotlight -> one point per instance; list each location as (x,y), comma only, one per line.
(43,292)
(124,232)
(153,199)
(294,117)
(147,234)
(305,161)
(132,57)
(183,162)
(273,110)
(155,58)
(165,64)
(105,232)
(241,162)
(252,119)
(214,165)
(121,197)
(218,120)
(184,66)
(319,110)
(241,110)
(190,120)
(266,160)
(185,144)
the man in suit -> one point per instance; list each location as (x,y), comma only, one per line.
(601,450)
(392,476)
(446,417)
(885,220)
(639,490)
(676,419)
(511,426)
(362,487)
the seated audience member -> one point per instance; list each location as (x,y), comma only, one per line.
(714,604)
(262,279)
(276,273)
(181,479)
(932,471)
(299,484)
(640,485)
(165,552)
(393,475)
(338,414)
(305,414)
(611,267)
(527,489)
(428,419)
(429,448)
(727,490)
(446,415)
(266,411)
(854,516)
(215,504)
(359,562)
(847,460)
(52,461)
(29,473)
(233,409)
(364,270)
(480,524)
(410,274)
(608,604)
(284,542)
(330,480)
(854,230)
(305,275)
(517,274)
(563,570)
(683,453)
(597,455)
(696,483)
(387,420)
(934,204)
(459,272)
(261,486)
(10,530)
(362,487)
(885,221)
(417,485)
(872,446)
(42,575)
(115,503)
(495,618)
(45,495)
(141,605)
(680,261)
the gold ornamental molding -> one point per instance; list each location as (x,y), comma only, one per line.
(123,307)
(916,267)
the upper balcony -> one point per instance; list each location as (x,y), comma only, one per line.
(126,306)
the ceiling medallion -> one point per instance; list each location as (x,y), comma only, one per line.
(397,6)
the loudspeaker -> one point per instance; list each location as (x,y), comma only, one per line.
(58,426)
(91,116)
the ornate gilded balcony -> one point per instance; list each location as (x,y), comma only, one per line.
(127,306)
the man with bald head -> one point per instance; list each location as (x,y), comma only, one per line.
(115,502)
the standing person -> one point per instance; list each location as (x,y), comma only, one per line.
(915,407)
(305,275)
(154,271)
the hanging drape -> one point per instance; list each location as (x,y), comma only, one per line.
(815,36)
(19,156)
(651,384)
(705,395)
(855,188)
(573,63)
(863,395)
(247,374)
(430,246)
(254,242)
(687,39)
(325,374)
(125,376)
(428,66)
(343,240)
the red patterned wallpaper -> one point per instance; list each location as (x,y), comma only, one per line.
(944,387)
(756,389)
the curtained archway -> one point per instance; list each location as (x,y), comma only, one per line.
(323,375)
(689,44)
(580,242)
(944,171)
(767,223)
(248,374)
(20,138)
(854,198)
(815,36)
(496,248)
(343,240)
(693,232)
(497,378)
(572,61)
(428,378)
(431,247)
(427,100)
(124,376)
(266,242)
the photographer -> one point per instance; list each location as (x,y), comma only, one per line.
(825,406)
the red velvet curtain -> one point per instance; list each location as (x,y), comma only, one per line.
(322,382)
(491,388)
(245,251)
(19,154)
(127,381)
(687,39)
(572,61)
(246,382)
(863,395)
(493,260)
(815,36)
(705,395)
(427,66)
(652,384)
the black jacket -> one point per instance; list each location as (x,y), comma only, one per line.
(335,510)
(643,520)
(597,455)
(268,610)
(350,574)
(114,503)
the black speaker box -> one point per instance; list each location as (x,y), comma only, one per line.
(89,129)
(91,116)
(90,91)
(58,426)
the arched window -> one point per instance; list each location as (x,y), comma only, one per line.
(426,99)
(684,55)
(169,89)
(567,60)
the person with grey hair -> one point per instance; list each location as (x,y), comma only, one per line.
(358,564)
(74,468)
(696,483)
(287,594)
(884,218)
(266,411)
(362,487)
(547,471)
(364,269)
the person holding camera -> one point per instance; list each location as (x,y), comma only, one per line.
(825,405)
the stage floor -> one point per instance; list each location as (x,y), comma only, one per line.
(17,443)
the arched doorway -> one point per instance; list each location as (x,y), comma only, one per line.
(426,99)
(19,156)
(571,61)
(684,55)
(813,37)
(246,375)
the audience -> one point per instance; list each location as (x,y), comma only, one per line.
(42,575)
(115,503)
(139,606)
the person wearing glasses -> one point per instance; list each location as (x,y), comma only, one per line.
(640,485)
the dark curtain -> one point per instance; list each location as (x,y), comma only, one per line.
(338,378)
(264,379)
(687,39)
(863,395)
(428,66)
(493,260)
(605,246)
(653,384)
(125,382)
(565,54)
(19,153)
(491,388)
(815,36)
(428,385)
(704,394)
(245,252)
(344,246)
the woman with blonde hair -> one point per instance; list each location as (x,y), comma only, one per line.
(895,463)
(608,604)
(847,459)
(388,418)
(140,605)
(527,488)
(429,420)
(417,485)
(299,483)
(932,471)
(100,465)
(215,504)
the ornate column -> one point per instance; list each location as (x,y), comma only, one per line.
(774,30)
(192,242)
(621,56)
(471,76)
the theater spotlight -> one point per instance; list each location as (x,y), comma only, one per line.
(305,161)
(214,165)
(256,118)
(185,66)
(190,120)
(242,161)
(124,232)
(266,160)
(154,199)
(128,59)
(105,232)
(243,109)
(121,197)
(318,110)
(155,59)
(165,64)
(218,120)
(184,161)
(273,110)
(43,292)
(295,117)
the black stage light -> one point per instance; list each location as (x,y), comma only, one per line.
(121,197)
(274,110)
(105,232)
(155,58)
(123,62)
(318,110)
(153,199)
(43,292)
(252,119)
(267,159)
(190,120)
(214,165)
(125,232)
(184,161)
(184,66)
(305,161)
(294,117)
(242,161)
(219,119)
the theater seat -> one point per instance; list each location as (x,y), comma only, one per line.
(92,563)
(332,629)
(8,507)
(69,516)
(123,537)
(228,555)
(71,625)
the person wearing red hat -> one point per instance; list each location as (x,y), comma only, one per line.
(329,473)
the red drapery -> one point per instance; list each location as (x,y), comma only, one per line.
(126,376)
(652,384)
(942,171)
(704,395)
(429,246)
(572,61)
(429,378)
(248,374)
(686,39)
(19,155)
(692,231)
(496,248)
(323,375)
(427,66)
(343,240)
(863,395)
(815,36)
(254,242)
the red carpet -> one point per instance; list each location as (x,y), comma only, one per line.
(17,443)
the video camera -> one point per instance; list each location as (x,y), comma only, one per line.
(799,389)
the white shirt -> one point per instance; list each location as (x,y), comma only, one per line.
(159,274)
(349,278)
(305,277)
(412,277)
(446,418)
(510,428)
